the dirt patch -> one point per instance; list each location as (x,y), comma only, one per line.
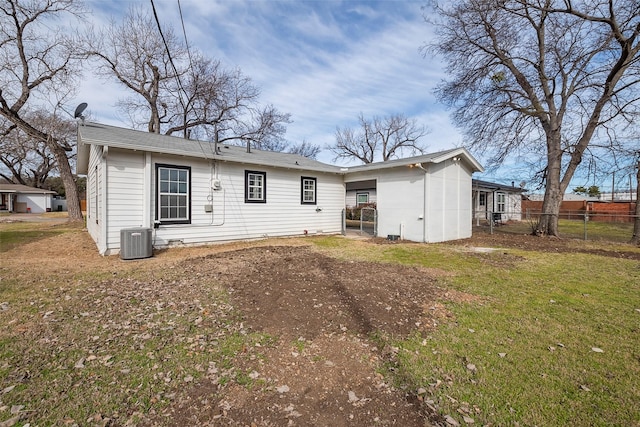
(325,313)
(296,292)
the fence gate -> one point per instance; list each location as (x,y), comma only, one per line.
(369,221)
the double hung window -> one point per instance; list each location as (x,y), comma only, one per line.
(255,187)
(174,194)
(308,190)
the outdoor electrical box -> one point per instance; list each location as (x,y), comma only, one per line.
(136,243)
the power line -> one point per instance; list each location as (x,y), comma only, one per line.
(173,65)
(164,40)
(186,41)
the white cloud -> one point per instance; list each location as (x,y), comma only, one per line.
(323,62)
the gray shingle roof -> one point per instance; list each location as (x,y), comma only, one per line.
(25,189)
(477,183)
(112,136)
(99,134)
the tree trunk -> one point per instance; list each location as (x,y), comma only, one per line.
(635,240)
(548,223)
(553,194)
(70,186)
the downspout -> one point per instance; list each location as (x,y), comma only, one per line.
(146,192)
(425,217)
(104,233)
(456,161)
(476,206)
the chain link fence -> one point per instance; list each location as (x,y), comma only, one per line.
(364,220)
(614,227)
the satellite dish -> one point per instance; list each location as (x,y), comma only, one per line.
(522,184)
(79,109)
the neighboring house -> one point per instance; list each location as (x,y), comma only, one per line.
(195,192)
(503,202)
(20,198)
(619,196)
(361,193)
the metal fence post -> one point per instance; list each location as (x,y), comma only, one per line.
(586,219)
(490,222)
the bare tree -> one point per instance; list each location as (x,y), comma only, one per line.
(181,91)
(223,105)
(29,161)
(381,137)
(305,149)
(134,53)
(38,66)
(543,75)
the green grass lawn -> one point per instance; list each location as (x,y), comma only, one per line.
(547,339)
(523,354)
(575,229)
(18,233)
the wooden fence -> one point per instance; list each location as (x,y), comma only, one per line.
(598,211)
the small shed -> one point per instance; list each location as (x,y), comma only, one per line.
(423,198)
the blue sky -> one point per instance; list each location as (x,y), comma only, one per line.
(324,62)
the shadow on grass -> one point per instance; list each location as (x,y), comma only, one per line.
(18,234)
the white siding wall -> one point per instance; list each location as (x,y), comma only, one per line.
(351,201)
(401,201)
(232,218)
(449,202)
(94,183)
(36,203)
(125,193)
(513,205)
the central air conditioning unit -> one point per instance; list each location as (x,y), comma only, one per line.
(135,243)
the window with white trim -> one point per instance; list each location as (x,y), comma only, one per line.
(501,199)
(173,203)
(362,199)
(308,190)
(255,187)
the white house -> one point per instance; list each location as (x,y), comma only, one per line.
(24,199)
(424,198)
(193,192)
(503,202)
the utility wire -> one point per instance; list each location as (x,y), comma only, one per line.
(173,65)
(186,41)
(164,40)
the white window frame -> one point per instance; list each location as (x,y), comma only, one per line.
(358,203)
(501,202)
(174,189)
(255,187)
(308,190)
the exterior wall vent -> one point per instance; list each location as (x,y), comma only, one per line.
(135,243)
